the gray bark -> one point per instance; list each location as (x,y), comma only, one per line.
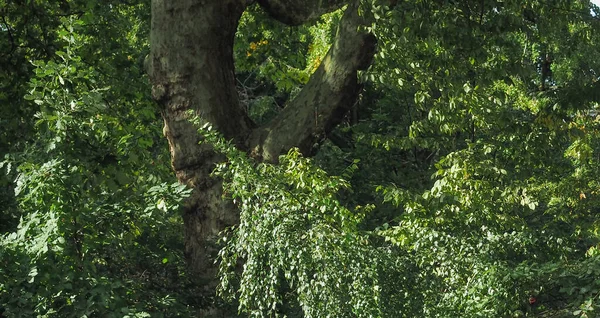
(191,68)
(294,12)
(331,91)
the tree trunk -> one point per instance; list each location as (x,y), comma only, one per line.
(191,68)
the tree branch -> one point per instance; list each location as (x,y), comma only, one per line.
(296,12)
(328,95)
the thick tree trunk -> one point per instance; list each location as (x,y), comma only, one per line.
(191,68)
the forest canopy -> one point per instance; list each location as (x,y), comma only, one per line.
(287,158)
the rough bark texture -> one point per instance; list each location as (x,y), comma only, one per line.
(294,12)
(328,95)
(191,68)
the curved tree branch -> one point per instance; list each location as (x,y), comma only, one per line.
(296,12)
(328,95)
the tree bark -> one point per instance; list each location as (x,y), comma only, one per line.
(191,68)
(294,12)
(331,91)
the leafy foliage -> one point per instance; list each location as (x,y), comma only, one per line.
(294,238)
(506,209)
(99,205)
(274,61)
(463,184)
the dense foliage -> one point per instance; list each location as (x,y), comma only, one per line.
(88,170)
(463,184)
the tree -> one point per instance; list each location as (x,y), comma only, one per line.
(192,68)
(462,183)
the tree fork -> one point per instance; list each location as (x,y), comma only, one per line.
(191,68)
